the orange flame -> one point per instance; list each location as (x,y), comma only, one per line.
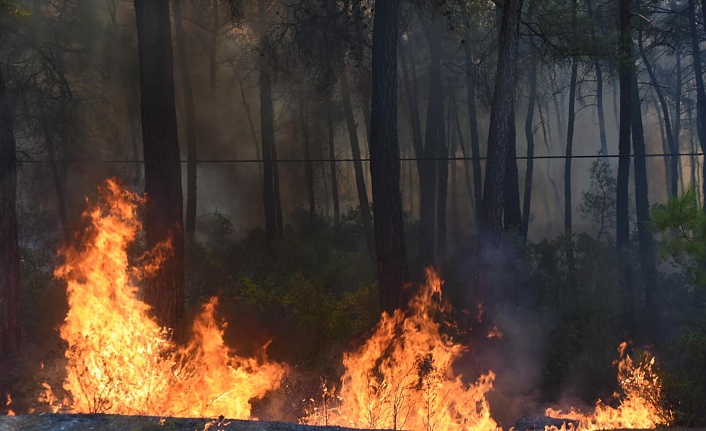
(402,377)
(640,406)
(119,359)
(10,412)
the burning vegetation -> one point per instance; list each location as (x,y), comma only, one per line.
(118,359)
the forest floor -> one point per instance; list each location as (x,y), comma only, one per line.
(86,422)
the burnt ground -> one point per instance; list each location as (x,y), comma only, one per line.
(86,422)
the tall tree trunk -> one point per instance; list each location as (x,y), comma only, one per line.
(357,164)
(164,291)
(191,155)
(599,90)
(59,181)
(529,136)
(9,248)
(308,166)
(501,115)
(473,124)
(547,143)
(642,209)
(622,206)
(677,110)
(385,161)
(512,214)
(700,92)
(334,173)
(665,145)
(213,48)
(673,189)
(273,214)
(464,153)
(568,222)
(253,133)
(434,140)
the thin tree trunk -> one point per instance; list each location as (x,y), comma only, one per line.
(677,111)
(308,167)
(642,209)
(191,154)
(466,162)
(213,48)
(273,214)
(673,170)
(334,174)
(547,143)
(665,146)
(529,136)
(622,205)
(473,124)
(568,222)
(700,92)
(385,161)
(357,164)
(599,90)
(164,221)
(253,133)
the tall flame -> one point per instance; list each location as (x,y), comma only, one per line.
(402,376)
(119,359)
(639,407)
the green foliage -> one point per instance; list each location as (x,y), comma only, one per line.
(14,11)
(681,227)
(598,203)
(584,326)
(684,360)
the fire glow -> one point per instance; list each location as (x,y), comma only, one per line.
(639,407)
(120,361)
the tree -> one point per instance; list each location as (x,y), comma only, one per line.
(501,115)
(385,161)
(9,248)
(164,290)
(188,94)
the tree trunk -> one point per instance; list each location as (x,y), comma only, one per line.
(677,110)
(273,214)
(308,166)
(334,174)
(622,207)
(164,291)
(700,92)
(473,124)
(466,162)
(357,164)
(529,135)
(385,161)
(191,155)
(9,248)
(213,49)
(665,145)
(673,189)
(501,115)
(599,90)
(642,209)
(547,143)
(568,223)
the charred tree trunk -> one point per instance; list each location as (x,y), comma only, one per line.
(357,164)
(9,248)
(191,155)
(622,196)
(385,161)
(164,291)
(501,116)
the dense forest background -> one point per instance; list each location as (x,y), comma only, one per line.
(596,151)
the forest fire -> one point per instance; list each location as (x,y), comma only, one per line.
(639,407)
(118,359)
(402,377)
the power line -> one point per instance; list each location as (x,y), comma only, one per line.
(367,159)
